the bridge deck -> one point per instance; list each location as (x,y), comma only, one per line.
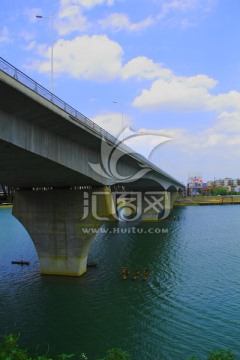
(45,142)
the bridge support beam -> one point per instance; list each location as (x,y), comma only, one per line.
(158,206)
(147,206)
(174,196)
(60,223)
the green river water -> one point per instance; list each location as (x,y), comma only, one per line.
(189,305)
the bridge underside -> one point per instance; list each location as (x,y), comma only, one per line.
(44,145)
(21,169)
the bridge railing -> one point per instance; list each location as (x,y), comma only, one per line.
(40,90)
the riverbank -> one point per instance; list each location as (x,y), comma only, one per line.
(208,200)
(190,201)
(5,205)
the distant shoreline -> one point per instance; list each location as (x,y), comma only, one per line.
(3,205)
(208,200)
(190,201)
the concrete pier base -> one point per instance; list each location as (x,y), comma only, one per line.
(174,196)
(62,224)
(145,206)
(158,205)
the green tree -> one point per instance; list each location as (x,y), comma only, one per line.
(116,354)
(219,191)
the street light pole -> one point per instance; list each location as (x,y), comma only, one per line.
(51,18)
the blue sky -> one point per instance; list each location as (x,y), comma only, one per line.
(167,67)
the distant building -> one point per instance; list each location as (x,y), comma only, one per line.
(227,183)
(195,183)
(197,186)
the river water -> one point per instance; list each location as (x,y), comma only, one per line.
(189,305)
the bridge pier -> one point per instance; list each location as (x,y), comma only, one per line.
(160,206)
(174,196)
(61,224)
(145,205)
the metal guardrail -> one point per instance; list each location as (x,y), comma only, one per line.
(40,90)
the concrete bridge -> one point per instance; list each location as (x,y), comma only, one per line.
(70,174)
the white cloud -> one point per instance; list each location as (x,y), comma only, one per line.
(98,58)
(143,68)
(112,122)
(93,58)
(228,101)
(229,122)
(186,6)
(200,151)
(186,94)
(4,35)
(142,141)
(198,81)
(86,3)
(222,138)
(214,151)
(185,13)
(119,21)
(71,19)
(182,5)
(177,94)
